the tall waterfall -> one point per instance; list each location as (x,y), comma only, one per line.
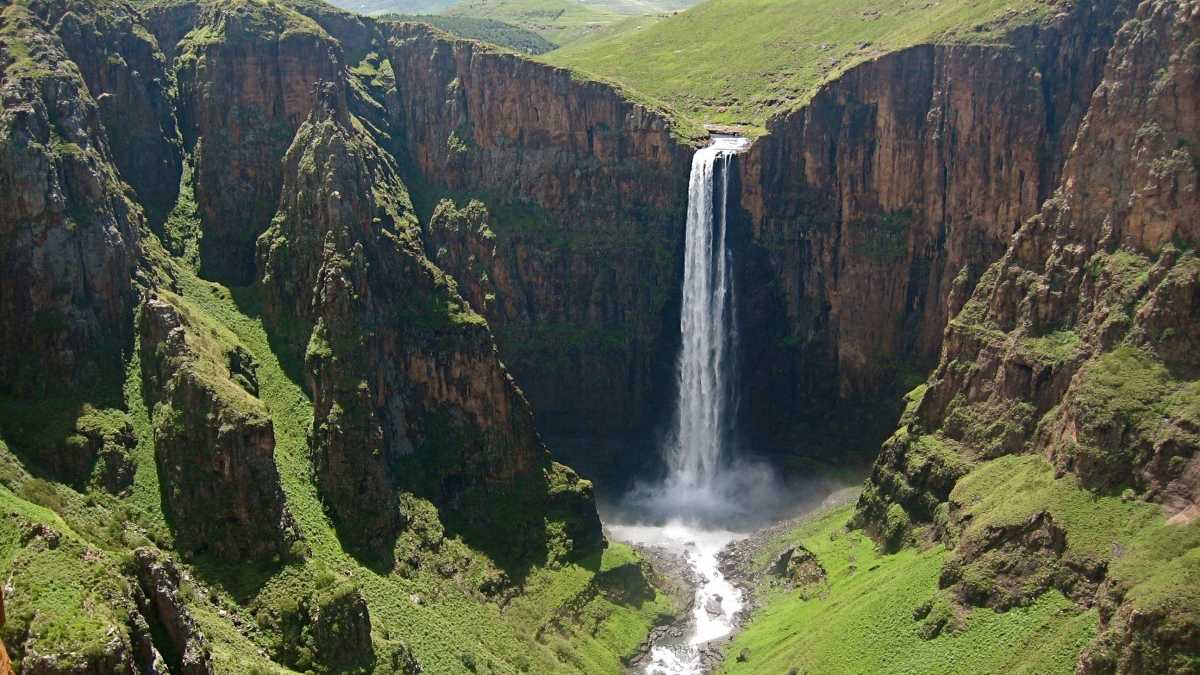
(705,405)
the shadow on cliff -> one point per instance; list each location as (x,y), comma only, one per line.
(75,435)
(283,337)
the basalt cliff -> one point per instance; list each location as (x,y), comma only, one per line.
(291,298)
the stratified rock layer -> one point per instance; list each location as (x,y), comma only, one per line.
(586,194)
(213,439)
(874,209)
(1079,345)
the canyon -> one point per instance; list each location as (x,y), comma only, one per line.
(321,336)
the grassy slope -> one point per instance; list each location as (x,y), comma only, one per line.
(487,30)
(394,6)
(555,20)
(740,61)
(581,617)
(448,628)
(862,620)
(563,21)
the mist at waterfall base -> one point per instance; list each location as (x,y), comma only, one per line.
(708,497)
(706,484)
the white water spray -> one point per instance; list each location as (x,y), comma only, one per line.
(705,403)
(695,492)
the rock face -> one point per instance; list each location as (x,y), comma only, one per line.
(407,386)
(585,195)
(213,439)
(874,209)
(70,229)
(245,76)
(128,77)
(1079,345)
(160,584)
(330,628)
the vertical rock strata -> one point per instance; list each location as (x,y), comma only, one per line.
(69,227)
(875,208)
(245,73)
(407,386)
(1079,345)
(213,439)
(585,194)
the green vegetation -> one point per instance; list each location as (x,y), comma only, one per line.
(554,20)
(1053,348)
(884,613)
(742,61)
(446,605)
(242,20)
(181,231)
(866,621)
(64,592)
(1125,403)
(488,30)
(16,30)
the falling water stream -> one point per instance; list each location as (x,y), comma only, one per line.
(707,327)
(690,503)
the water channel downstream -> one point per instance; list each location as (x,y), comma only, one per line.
(700,492)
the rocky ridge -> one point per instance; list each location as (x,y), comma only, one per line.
(1076,347)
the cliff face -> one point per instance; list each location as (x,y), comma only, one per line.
(1078,347)
(127,75)
(245,76)
(213,438)
(407,386)
(585,195)
(205,125)
(874,209)
(69,228)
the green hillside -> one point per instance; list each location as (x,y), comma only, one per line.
(487,30)
(374,7)
(833,625)
(741,61)
(557,22)
(552,19)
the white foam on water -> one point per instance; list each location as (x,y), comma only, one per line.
(717,601)
(695,491)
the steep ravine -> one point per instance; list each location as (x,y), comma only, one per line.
(269,267)
(873,210)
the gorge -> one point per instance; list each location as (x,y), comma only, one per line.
(338,344)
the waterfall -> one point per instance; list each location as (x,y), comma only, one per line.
(704,408)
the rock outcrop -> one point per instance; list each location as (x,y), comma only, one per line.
(875,208)
(127,75)
(331,628)
(213,438)
(69,226)
(245,73)
(407,386)
(160,582)
(1078,345)
(585,195)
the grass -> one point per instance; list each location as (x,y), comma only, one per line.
(864,623)
(1009,490)
(1052,348)
(245,20)
(63,591)
(551,19)
(450,607)
(439,618)
(864,620)
(485,29)
(743,61)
